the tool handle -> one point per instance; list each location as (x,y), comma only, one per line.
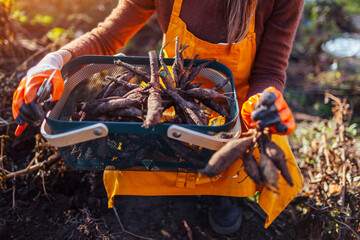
(201,139)
(94,131)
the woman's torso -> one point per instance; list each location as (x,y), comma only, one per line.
(206,19)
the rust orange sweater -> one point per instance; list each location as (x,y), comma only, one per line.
(276,24)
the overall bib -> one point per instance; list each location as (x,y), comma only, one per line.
(239,60)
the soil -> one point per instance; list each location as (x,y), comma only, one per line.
(75,207)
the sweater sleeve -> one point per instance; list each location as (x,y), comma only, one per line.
(113,33)
(273,52)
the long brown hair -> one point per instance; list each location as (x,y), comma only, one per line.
(238,13)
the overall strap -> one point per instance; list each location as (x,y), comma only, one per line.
(252,20)
(177,8)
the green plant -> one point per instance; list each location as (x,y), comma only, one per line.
(350,6)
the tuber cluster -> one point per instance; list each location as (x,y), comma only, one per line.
(264,172)
(187,100)
(157,93)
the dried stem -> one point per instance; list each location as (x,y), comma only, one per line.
(13,195)
(2,187)
(161,59)
(188,230)
(2,156)
(43,183)
(132,68)
(343,188)
(347,226)
(124,230)
(35,167)
(33,160)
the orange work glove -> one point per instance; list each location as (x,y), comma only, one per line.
(26,107)
(269,109)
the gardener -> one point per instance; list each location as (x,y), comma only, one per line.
(253,39)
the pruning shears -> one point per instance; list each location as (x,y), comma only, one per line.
(44,92)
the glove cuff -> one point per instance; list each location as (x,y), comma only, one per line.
(52,60)
(248,108)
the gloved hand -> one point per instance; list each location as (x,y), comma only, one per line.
(269,109)
(26,107)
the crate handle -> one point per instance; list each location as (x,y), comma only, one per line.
(201,139)
(94,131)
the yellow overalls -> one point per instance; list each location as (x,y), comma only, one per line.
(239,60)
